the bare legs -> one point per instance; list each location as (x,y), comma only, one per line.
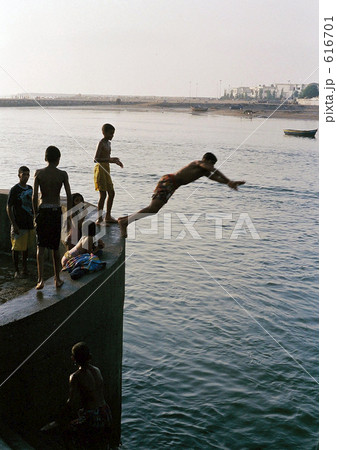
(57,268)
(24,262)
(153,208)
(15,257)
(111,196)
(40,268)
(102,197)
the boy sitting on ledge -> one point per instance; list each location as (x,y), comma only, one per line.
(92,429)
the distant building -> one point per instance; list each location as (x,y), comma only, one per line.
(262,92)
(289,90)
(242,92)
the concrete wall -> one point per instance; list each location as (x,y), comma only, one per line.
(38,329)
(308,101)
(5,243)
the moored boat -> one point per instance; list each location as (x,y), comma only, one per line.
(199,108)
(301,133)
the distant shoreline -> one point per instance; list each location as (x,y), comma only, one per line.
(236,108)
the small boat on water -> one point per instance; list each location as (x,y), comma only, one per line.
(199,108)
(301,133)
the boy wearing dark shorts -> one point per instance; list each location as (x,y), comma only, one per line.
(20,213)
(48,214)
(168,184)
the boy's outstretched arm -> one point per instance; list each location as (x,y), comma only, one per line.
(221,178)
(116,161)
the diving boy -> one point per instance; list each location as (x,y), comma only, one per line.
(102,178)
(168,184)
(48,214)
(20,213)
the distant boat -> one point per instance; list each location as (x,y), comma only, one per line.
(199,108)
(301,133)
(235,107)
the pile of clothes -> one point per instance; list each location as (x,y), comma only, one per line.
(79,265)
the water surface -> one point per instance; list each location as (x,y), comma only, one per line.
(220,334)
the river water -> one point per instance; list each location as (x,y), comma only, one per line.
(221,307)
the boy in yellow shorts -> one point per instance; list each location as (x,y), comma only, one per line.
(20,213)
(102,178)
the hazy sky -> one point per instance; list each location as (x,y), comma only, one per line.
(155,47)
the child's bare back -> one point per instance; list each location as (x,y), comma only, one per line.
(48,213)
(191,172)
(51,179)
(88,382)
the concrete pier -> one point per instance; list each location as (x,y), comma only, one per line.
(38,329)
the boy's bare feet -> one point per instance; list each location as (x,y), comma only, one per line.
(58,282)
(123,223)
(40,285)
(110,220)
(99,220)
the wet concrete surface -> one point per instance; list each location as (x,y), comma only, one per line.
(11,287)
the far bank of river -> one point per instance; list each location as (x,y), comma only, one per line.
(229,108)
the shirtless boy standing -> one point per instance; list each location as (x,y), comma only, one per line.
(48,214)
(102,178)
(170,183)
